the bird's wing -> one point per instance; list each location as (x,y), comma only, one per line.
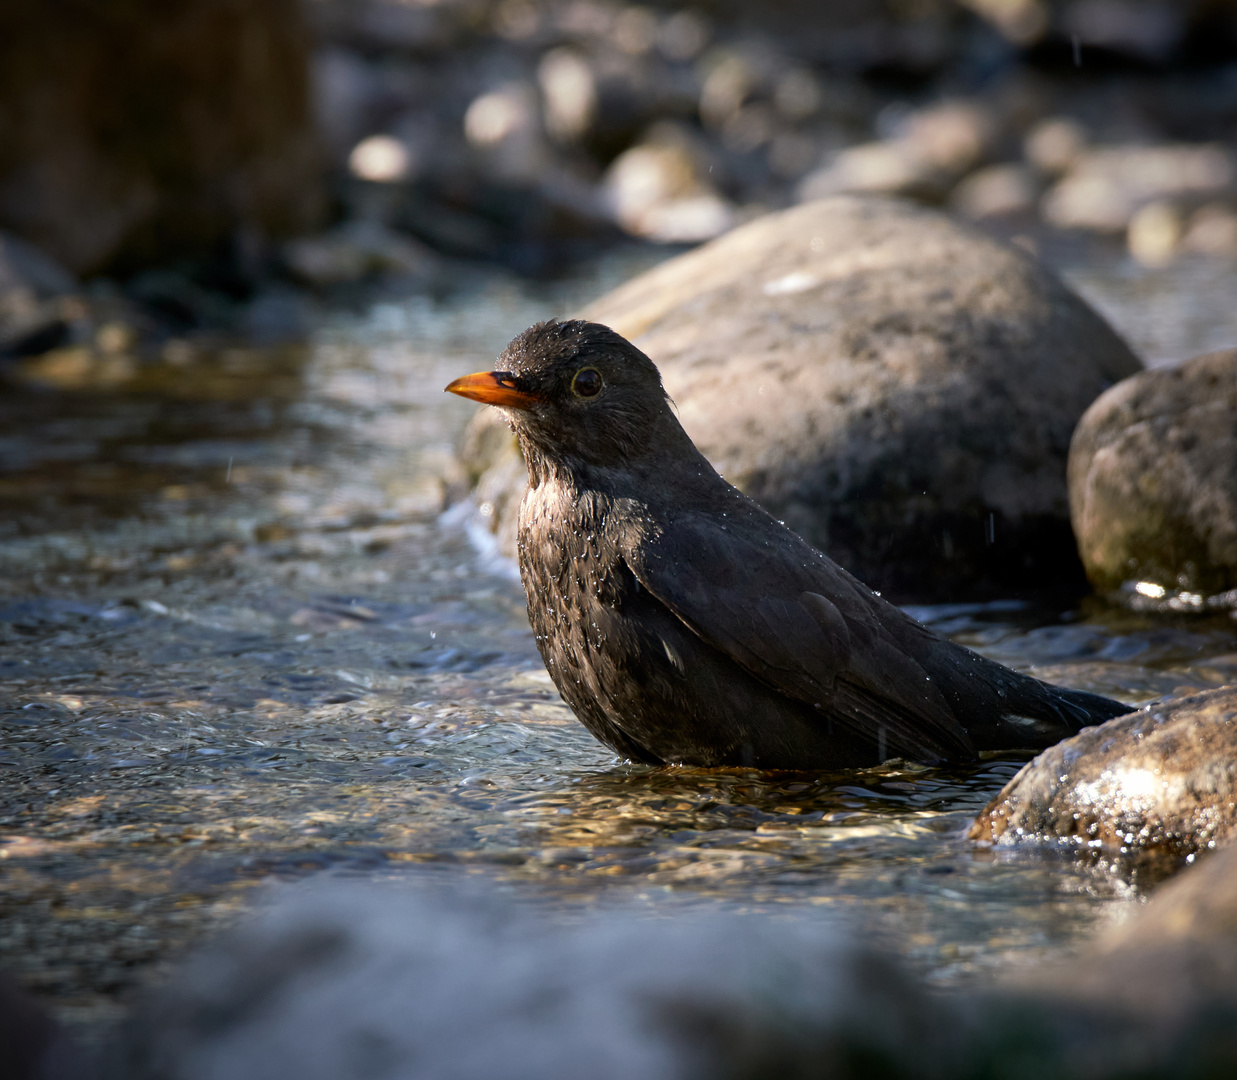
(799,623)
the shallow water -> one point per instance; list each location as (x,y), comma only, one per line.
(239,641)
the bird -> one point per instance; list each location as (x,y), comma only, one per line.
(685,625)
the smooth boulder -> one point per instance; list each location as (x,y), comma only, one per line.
(896,386)
(1159,781)
(1153,482)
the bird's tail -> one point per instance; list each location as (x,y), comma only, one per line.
(1056,712)
(1079,708)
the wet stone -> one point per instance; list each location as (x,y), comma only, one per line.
(1161,781)
(1153,483)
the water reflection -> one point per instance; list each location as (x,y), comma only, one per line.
(238,641)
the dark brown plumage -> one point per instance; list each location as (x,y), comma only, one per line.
(683,624)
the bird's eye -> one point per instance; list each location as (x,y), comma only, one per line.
(587,383)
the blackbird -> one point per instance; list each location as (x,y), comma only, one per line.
(684,624)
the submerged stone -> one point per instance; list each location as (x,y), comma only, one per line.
(1162,780)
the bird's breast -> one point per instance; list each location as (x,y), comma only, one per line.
(567,561)
(582,601)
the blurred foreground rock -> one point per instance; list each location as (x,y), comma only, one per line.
(1153,485)
(423,980)
(900,389)
(436,983)
(1154,997)
(1160,781)
(131,133)
(1173,965)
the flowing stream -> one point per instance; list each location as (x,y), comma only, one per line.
(240,641)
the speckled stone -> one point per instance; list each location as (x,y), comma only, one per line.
(1153,479)
(1162,780)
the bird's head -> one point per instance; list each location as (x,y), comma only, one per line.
(577,392)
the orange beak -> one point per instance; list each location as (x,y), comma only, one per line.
(492,388)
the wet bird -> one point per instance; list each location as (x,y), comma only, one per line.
(684,624)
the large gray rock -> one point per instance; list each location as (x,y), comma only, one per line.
(1160,781)
(1153,482)
(897,387)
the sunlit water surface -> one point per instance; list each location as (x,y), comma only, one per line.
(240,641)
